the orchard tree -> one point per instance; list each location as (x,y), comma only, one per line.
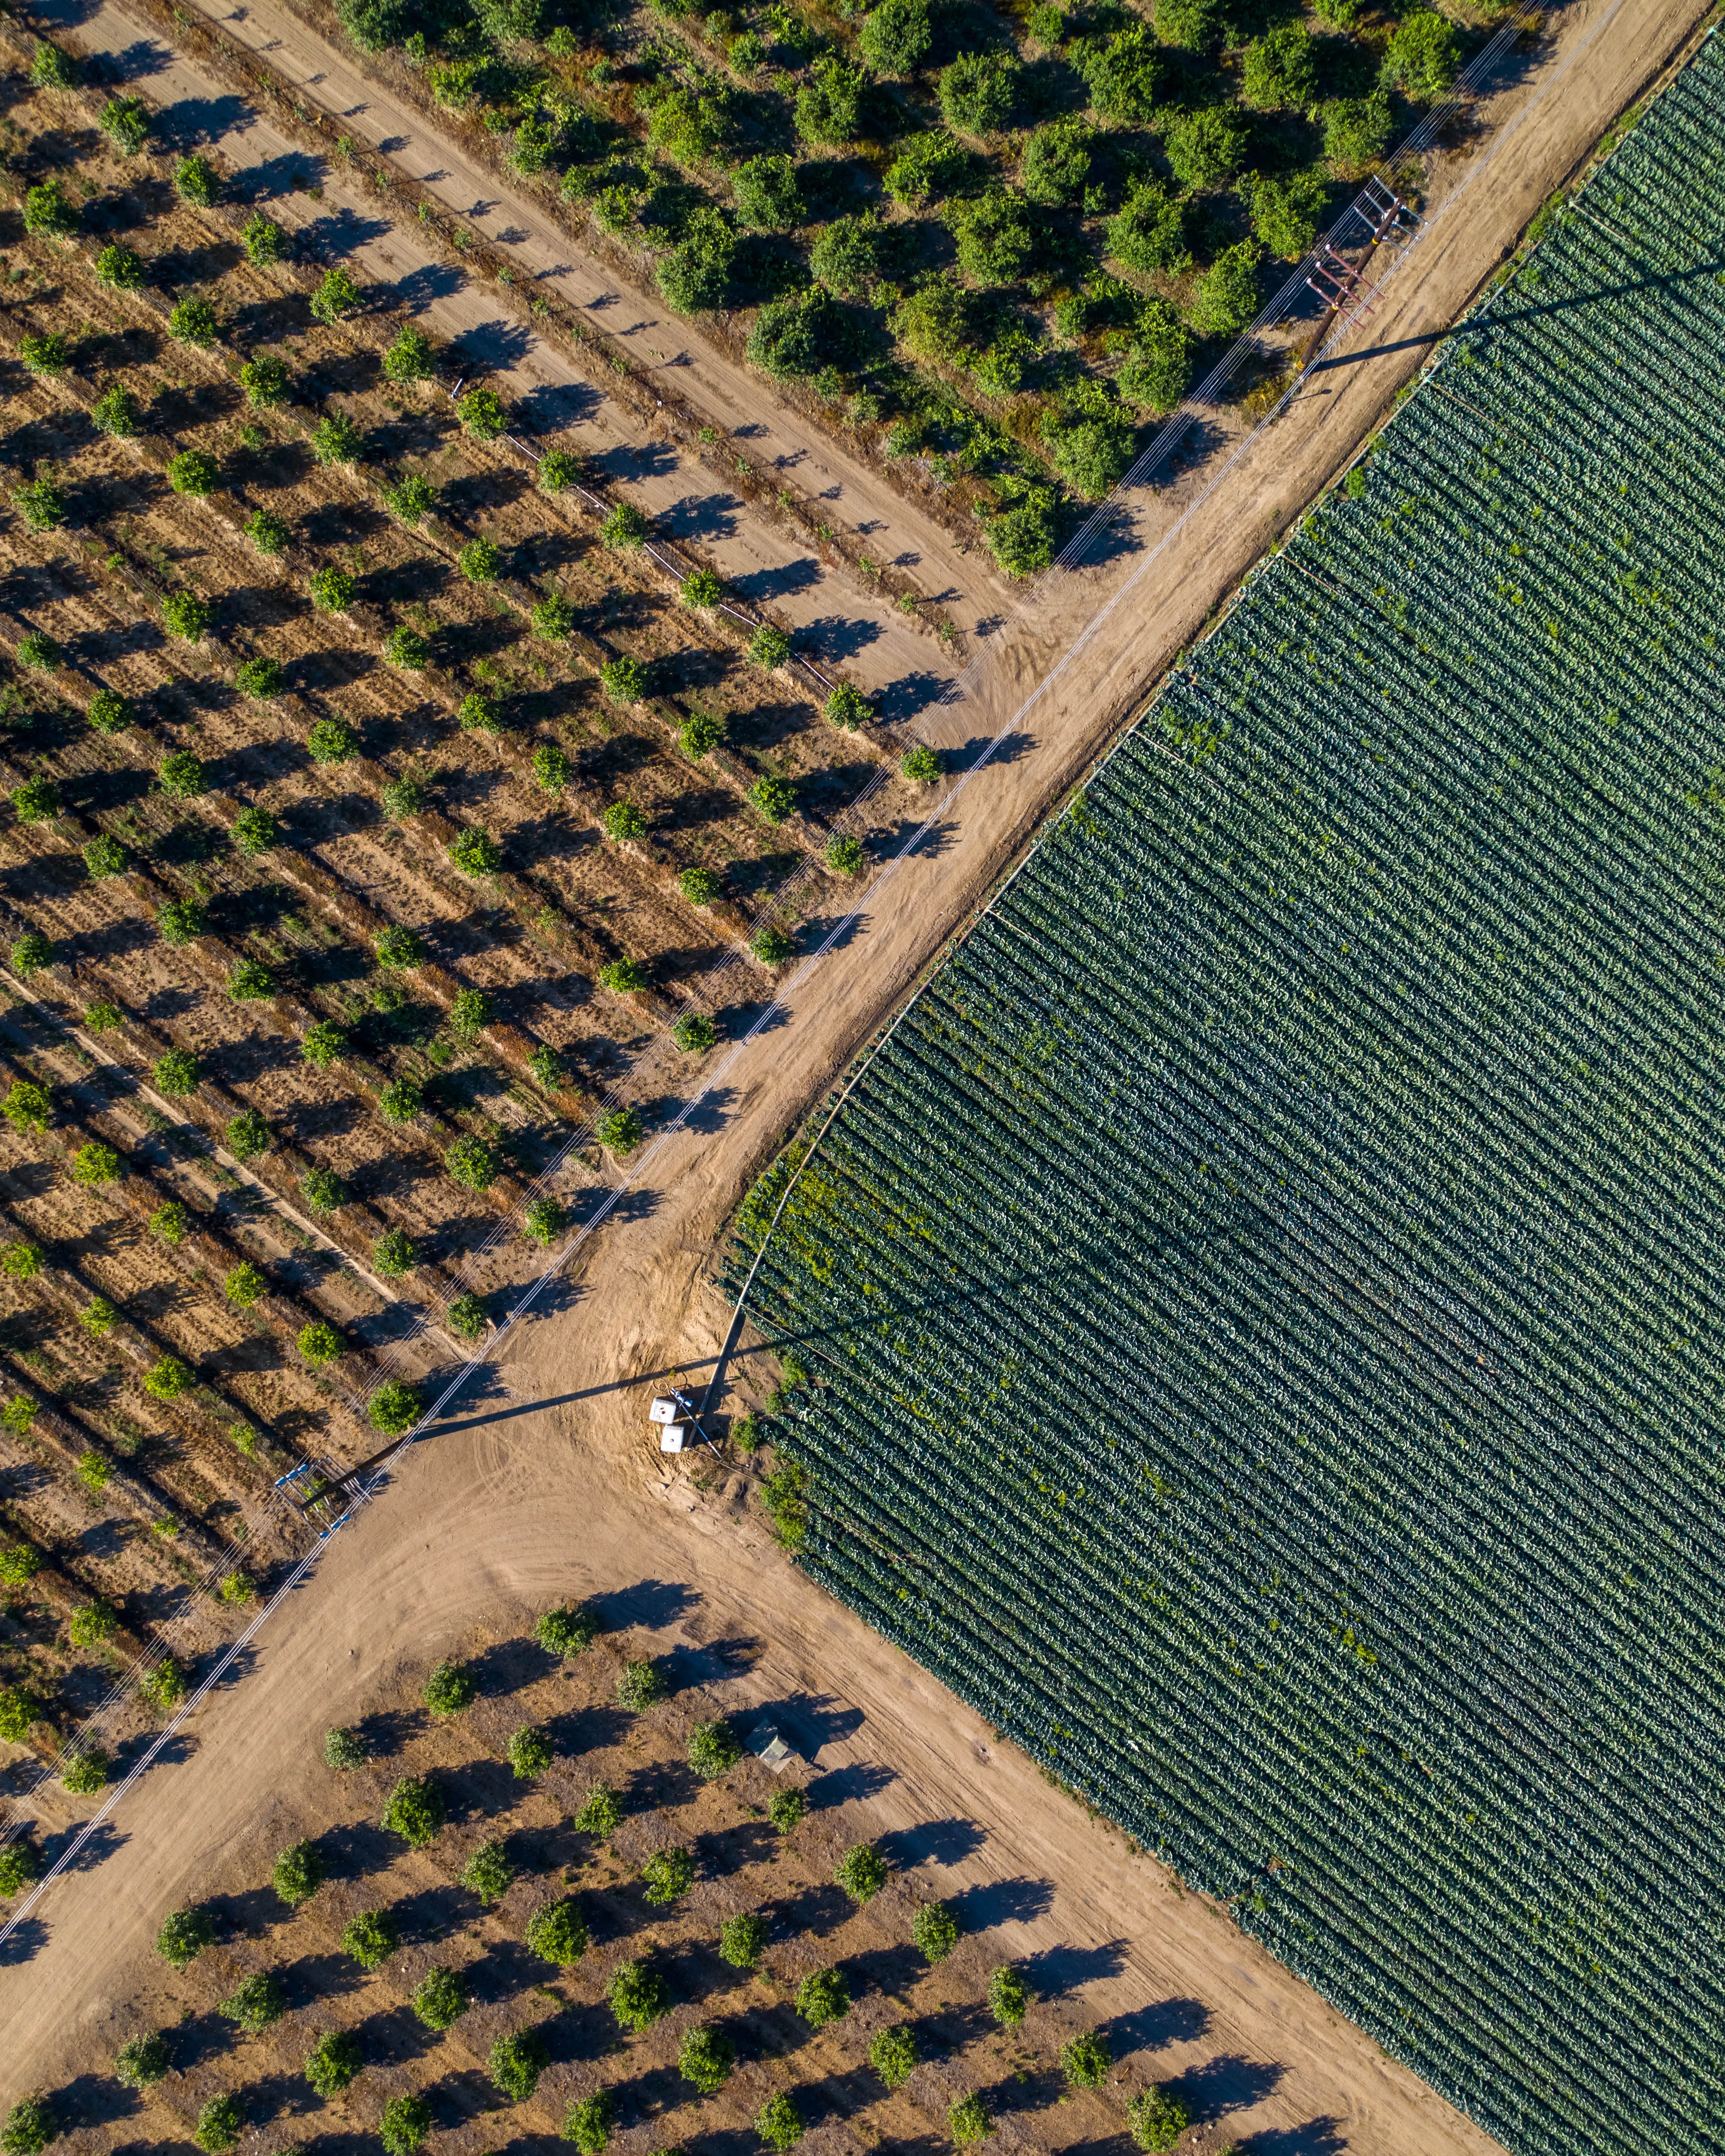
(743,1939)
(706,2058)
(558,1932)
(344,1749)
(404,2125)
(333,2062)
(861,1872)
(638,1995)
(1009,1999)
(517,2062)
(1156,2119)
(935,1929)
(823,1996)
(641,1685)
(1086,2061)
(184,1935)
(892,2053)
(787,1809)
(415,1810)
(713,1749)
(370,1937)
(667,1874)
(142,2060)
(442,1998)
(530,1753)
(258,2002)
(778,2123)
(488,1873)
(588,2123)
(299,1870)
(450,1689)
(600,1814)
(570,1628)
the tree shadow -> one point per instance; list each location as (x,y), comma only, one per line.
(979,1907)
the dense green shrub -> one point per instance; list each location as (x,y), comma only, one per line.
(517,2062)
(768,198)
(141,2061)
(1122,76)
(769,646)
(569,1629)
(556,1932)
(371,1937)
(892,2053)
(333,2062)
(1279,69)
(771,946)
(1008,1999)
(695,1033)
(264,240)
(531,1753)
(51,68)
(1156,2118)
(977,91)
(220,2124)
(476,853)
(624,680)
(336,439)
(48,214)
(778,2123)
(1205,146)
(483,414)
(743,1939)
(968,2122)
(1086,2061)
(638,1995)
(1227,297)
(415,1809)
(337,296)
(1422,56)
(471,1162)
(600,1813)
(184,1935)
(619,1131)
(442,1998)
(410,356)
(264,381)
(488,1873)
(823,1996)
(450,1689)
(258,2002)
(641,1685)
(667,1875)
(713,1749)
(588,2123)
(706,2058)
(935,1929)
(299,1870)
(1357,129)
(404,2125)
(393,1255)
(861,1871)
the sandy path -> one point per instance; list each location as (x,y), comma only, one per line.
(837,617)
(538,1490)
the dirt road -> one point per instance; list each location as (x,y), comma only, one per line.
(551,1485)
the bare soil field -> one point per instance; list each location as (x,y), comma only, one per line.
(550,1484)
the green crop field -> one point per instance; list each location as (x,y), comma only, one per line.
(1263,1302)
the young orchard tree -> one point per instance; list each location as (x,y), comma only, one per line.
(558,1932)
(220,2124)
(601,1814)
(861,1871)
(299,1870)
(1086,2061)
(1156,2119)
(517,2062)
(258,2002)
(787,1809)
(706,2058)
(935,1929)
(640,1686)
(142,2061)
(823,1996)
(713,1749)
(394,1408)
(695,1033)
(184,1935)
(450,1689)
(404,2125)
(743,1939)
(892,2053)
(531,1753)
(370,1937)
(569,1629)
(415,1810)
(638,1995)
(968,2123)
(488,1873)
(668,1875)
(344,1749)
(589,2122)
(333,2062)
(1008,1998)
(442,1998)
(778,2123)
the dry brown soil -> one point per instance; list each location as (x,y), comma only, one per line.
(549,1485)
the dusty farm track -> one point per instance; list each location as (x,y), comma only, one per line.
(547,1486)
